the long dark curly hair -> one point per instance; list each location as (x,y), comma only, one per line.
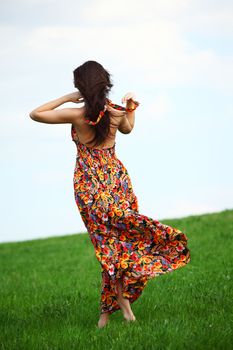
(94,84)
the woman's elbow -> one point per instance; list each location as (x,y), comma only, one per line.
(33,116)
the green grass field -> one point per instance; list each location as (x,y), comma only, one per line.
(50,291)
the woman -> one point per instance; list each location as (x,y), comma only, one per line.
(131,248)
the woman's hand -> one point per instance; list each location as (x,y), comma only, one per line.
(75,97)
(128,96)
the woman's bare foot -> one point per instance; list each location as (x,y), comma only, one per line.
(127,312)
(124,304)
(103,320)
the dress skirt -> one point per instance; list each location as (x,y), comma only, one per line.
(127,244)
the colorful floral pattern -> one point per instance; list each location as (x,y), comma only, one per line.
(127,244)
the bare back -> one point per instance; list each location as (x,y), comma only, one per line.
(85,133)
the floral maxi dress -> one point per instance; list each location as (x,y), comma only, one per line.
(128,245)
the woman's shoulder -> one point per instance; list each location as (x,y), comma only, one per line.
(115,109)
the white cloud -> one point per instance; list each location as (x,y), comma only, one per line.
(159,108)
(156,52)
(148,39)
(133,11)
(212,17)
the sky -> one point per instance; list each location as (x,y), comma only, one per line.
(175,55)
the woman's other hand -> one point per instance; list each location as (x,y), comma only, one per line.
(129,96)
(75,97)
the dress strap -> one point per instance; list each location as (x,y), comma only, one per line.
(101,114)
(122,108)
